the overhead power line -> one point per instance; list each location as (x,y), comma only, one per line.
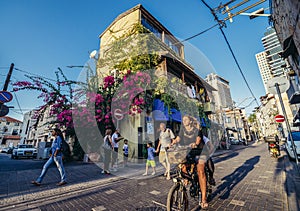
(33,74)
(18,103)
(221,24)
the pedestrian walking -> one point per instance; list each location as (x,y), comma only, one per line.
(165,138)
(107,147)
(56,157)
(150,159)
(125,153)
(116,137)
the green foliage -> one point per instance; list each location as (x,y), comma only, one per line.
(252,118)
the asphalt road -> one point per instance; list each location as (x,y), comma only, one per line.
(8,164)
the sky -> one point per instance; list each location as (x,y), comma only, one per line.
(40,36)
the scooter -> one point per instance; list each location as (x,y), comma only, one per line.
(274,149)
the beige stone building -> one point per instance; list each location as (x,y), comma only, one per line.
(172,66)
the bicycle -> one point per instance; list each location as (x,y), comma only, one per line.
(178,194)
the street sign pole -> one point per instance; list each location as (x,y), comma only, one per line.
(287,123)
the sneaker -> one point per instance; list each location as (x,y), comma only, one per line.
(107,172)
(35,183)
(62,183)
(102,172)
(145,174)
(153,173)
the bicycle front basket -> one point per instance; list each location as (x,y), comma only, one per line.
(177,155)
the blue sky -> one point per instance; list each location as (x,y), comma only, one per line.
(39,36)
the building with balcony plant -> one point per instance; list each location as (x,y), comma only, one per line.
(137,41)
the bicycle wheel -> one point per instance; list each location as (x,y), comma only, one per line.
(177,198)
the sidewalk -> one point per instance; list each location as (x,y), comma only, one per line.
(15,185)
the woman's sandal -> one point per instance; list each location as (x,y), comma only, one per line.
(204,205)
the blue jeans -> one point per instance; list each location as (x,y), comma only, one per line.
(59,164)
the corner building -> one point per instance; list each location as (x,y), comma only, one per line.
(171,66)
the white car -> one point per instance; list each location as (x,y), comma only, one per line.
(288,145)
(24,150)
(4,149)
(234,141)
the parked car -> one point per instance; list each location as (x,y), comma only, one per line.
(24,150)
(234,141)
(4,149)
(288,145)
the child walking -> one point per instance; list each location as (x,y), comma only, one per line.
(125,152)
(150,159)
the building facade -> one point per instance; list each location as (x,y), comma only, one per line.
(285,19)
(221,99)
(172,66)
(10,130)
(272,48)
(264,68)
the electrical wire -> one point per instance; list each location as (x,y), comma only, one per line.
(221,24)
(18,103)
(196,35)
(34,74)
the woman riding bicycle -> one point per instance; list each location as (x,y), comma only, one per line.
(201,150)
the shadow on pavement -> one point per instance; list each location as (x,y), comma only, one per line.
(233,179)
(223,158)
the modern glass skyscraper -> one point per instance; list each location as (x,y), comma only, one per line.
(269,62)
(273,48)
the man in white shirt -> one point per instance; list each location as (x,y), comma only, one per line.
(115,143)
(165,140)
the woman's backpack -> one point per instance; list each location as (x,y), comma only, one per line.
(65,148)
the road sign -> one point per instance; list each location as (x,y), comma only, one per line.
(279,118)
(5,97)
(118,114)
(3,110)
(283,84)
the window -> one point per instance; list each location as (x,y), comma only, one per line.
(151,28)
(15,132)
(169,43)
(228,120)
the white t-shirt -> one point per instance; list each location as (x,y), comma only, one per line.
(165,138)
(113,138)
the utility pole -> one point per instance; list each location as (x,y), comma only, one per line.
(6,95)
(8,77)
